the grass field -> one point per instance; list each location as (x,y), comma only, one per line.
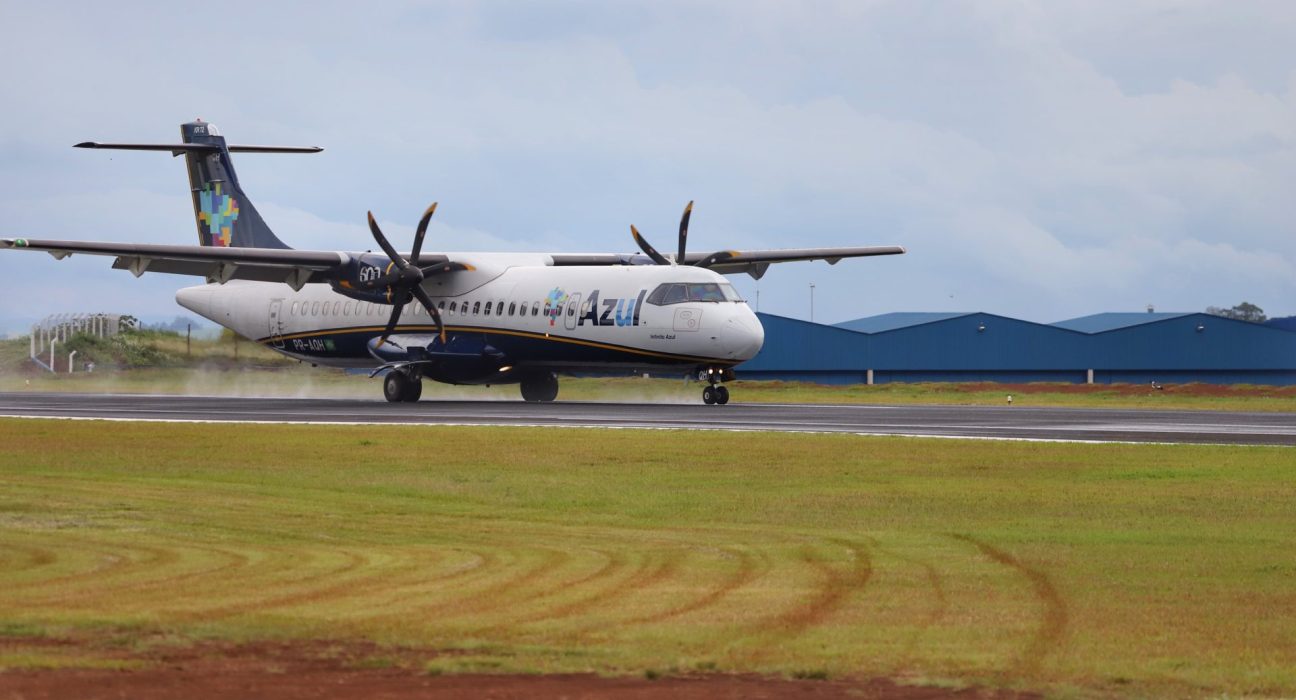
(224,367)
(308,382)
(1082,570)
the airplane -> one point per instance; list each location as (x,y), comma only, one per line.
(472,318)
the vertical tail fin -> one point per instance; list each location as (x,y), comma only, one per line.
(224,214)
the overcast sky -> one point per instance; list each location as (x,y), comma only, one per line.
(1038,159)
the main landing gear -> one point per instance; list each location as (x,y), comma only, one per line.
(399,386)
(540,387)
(715,393)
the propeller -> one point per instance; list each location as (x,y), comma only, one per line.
(404,280)
(660,259)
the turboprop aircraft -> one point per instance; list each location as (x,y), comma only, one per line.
(473,318)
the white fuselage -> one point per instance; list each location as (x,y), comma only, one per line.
(576,318)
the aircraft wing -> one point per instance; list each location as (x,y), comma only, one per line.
(728,262)
(297,268)
(293,267)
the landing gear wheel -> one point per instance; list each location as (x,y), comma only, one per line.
(709,395)
(413,390)
(398,387)
(542,387)
(721,395)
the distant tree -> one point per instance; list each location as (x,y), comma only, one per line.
(129,323)
(1246,311)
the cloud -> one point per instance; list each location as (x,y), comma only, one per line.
(1041,159)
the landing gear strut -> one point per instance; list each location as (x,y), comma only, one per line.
(540,387)
(399,386)
(715,393)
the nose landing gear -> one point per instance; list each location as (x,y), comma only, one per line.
(715,393)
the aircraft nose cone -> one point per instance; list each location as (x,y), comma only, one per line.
(744,337)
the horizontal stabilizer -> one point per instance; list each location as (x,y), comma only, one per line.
(178,148)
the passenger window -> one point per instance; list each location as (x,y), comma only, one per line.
(337,308)
(488,308)
(476,307)
(512,307)
(315,309)
(294,309)
(535,309)
(347,307)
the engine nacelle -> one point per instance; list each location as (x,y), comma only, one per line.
(359,272)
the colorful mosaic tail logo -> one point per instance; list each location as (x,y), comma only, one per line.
(217,212)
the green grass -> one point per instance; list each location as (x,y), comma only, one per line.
(159,363)
(1081,569)
(313,382)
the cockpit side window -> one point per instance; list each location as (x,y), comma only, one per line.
(676,293)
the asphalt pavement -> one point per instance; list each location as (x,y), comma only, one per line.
(1000,422)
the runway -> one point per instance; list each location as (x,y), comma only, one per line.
(1019,423)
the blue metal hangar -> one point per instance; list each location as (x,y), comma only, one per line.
(971,347)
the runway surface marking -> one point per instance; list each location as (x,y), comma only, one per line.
(976,422)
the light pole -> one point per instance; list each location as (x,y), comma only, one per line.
(812,302)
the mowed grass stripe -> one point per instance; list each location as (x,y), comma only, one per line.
(1106,567)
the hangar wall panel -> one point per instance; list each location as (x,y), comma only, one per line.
(988,347)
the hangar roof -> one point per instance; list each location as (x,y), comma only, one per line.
(900,319)
(1098,323)
(1285,324)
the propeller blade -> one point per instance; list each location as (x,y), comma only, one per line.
(647,247)
(717,258)
(683,234)
(422,229)
(435,313)
(391,324)
(382,243)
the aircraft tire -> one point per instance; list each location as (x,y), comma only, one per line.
(721,395)
(413,390)
(709,395)
(395,386)
(540,388)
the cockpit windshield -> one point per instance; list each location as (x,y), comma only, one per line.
(680,292)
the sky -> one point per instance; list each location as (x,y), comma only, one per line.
(1042,160)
